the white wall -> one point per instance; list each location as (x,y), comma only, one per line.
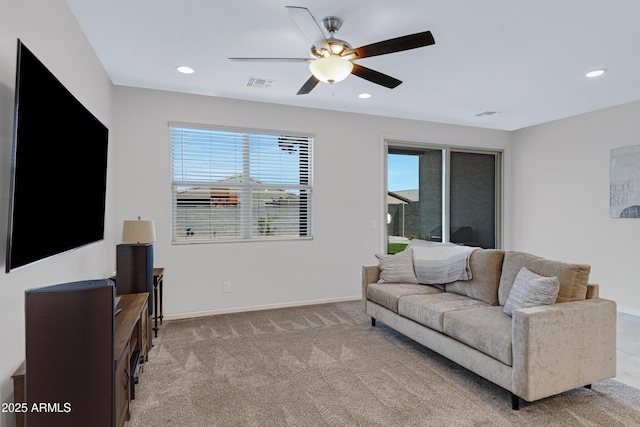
(50,31)
(348,178)
(560,198)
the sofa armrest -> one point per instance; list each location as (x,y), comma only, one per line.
(563,346)
(593,291)
(370,274)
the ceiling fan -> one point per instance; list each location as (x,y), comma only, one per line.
(332,58)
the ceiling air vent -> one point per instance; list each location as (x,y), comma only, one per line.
(259,83)
(487,113)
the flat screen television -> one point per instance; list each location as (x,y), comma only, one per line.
(59,168)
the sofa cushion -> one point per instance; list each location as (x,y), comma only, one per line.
(388,294)
(486,267)
(531,290)
(397,268)
(487,329)
(429,310)
(573,277)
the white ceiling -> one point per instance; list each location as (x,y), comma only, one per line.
(524,60)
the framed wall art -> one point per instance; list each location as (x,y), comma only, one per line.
(624,193)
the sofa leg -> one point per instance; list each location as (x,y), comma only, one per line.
(373,321)
(515,402)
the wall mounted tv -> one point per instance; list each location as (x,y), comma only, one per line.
(59,168)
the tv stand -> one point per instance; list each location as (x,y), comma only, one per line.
(132,334)
(132,338)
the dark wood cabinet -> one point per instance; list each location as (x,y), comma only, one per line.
(69,354)
(132,332)
(60,362)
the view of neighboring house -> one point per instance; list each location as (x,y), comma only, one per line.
(403,213)
(213,211)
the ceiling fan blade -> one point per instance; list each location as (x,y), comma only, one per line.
(308,86)
(272,59)
(309,26)
(398,44)
(375,76)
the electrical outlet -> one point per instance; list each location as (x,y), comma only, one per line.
(226,288)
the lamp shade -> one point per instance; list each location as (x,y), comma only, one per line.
(331,69)
(139,231)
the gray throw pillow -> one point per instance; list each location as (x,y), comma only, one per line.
(531,290)
(397,268)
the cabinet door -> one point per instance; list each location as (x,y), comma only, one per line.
(123,391)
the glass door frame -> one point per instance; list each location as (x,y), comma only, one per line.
(446,149)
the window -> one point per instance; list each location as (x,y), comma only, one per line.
(431,189)
(240,185)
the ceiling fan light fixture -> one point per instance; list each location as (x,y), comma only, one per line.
(331,69)
(336,49)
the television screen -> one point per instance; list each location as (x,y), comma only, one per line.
(59,168)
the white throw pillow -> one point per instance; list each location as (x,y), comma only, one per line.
(397,268)
(531,290)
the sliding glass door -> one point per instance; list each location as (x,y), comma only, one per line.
(442,194)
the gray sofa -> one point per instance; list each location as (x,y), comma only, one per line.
(536,352)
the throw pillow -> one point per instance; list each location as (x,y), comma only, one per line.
(397,268)
(531,290)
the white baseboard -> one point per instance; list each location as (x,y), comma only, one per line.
(626,310)
(192,314)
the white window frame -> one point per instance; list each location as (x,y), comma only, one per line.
(245,195)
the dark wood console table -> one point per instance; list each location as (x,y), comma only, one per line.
(132,333)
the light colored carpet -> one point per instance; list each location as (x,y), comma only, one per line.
(324,365)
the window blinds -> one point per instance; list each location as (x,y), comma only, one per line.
(230,185)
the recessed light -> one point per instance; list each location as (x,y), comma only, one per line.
(185,70)
(364,95)
(595,73)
